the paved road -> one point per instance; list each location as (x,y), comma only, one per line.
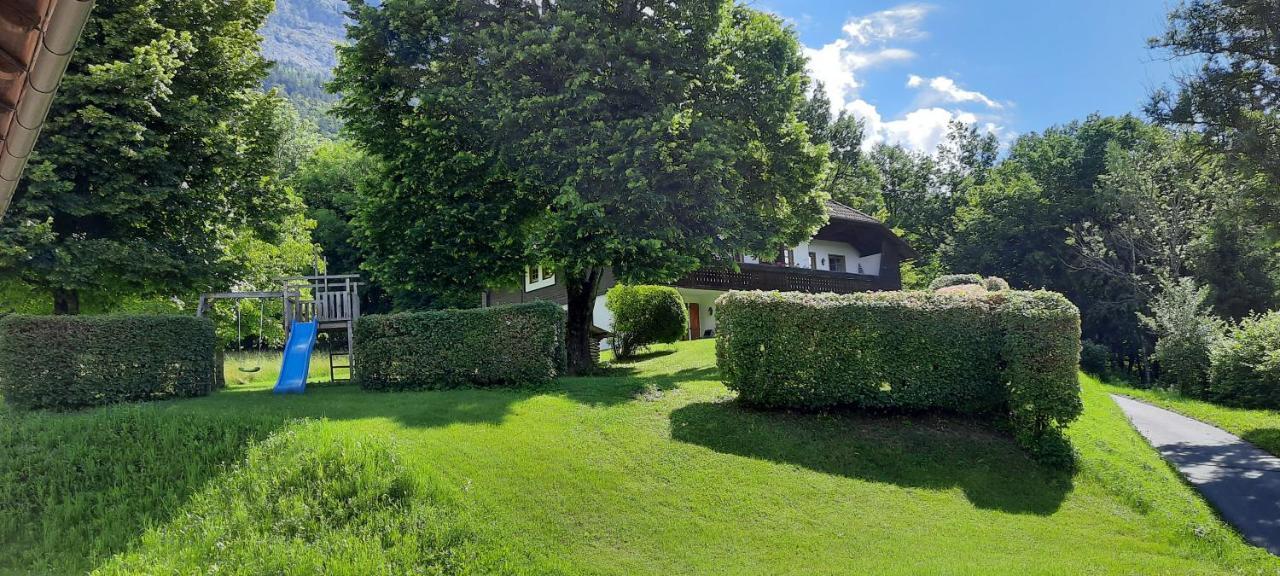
(1237,478)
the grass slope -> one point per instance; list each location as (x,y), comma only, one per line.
(651,469)
(1261,427)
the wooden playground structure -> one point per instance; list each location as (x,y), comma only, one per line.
(331,302)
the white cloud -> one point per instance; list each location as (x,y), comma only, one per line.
(920,130)
(837,67)
(943,89)
(900,23)
(876,40)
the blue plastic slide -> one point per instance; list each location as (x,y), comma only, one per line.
(297,359)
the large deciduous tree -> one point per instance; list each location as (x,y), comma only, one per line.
(1233,95)
(646,137)
(159,150)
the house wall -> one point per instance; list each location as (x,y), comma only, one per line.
(823,249)
(554,293)
(706,301)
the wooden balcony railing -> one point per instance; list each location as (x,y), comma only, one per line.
(781,278)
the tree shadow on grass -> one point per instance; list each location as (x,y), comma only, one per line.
(166,451)
(919,451)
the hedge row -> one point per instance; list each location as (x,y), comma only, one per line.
(505,345)
(1009,353)
(64,362)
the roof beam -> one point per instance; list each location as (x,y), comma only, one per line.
(21,13)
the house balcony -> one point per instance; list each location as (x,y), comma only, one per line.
(781,278)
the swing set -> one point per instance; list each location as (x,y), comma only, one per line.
(312,304)
(262,339)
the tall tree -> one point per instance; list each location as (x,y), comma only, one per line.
(159,150)
(851,179)
(1234,94)
(646,137)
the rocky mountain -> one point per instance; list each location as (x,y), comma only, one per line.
(300,37)
(303,33)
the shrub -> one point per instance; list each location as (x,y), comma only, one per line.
(504,345)
(1245,368)
(963,290)
(1094,357)
(995,284)
(645,315)
(1185,333)
(1039,334)
(1013,353)
(947,280)
(66,362)
(310,500)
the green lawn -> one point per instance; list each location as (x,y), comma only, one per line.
(1261,427)
(652,469)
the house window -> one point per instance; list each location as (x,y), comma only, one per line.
(813,260)
(791,258)
(537,277)
(836,263)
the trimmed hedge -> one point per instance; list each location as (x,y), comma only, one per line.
(995,283)
(64,362)
(947,280)
(1009,353)
(644,315)
(1245,368)
(501,346)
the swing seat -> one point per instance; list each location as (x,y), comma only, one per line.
(249,369)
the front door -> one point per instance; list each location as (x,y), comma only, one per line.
(695,330)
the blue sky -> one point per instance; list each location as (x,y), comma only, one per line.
(1011,66)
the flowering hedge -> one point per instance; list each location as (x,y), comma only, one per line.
(1009,353)
(67,362)
(504,345)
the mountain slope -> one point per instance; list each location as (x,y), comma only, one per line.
(303,33)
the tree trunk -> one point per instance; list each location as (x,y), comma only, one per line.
(66,301)
(581,290)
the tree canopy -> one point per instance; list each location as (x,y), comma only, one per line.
(646,138)
(158,152)
(1233,96)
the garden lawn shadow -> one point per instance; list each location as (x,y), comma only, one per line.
(925,451)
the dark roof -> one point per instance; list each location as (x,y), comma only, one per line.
(840,212)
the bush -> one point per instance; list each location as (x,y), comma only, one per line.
(310,500)
(67,362)
(1095,358)
(645,315)
(963,290)
(1245,368)
(995,284)
(1012,353)
(504,345)
(1185,333)
(947,280)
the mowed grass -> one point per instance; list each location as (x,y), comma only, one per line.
(653,468)
(1260,427)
